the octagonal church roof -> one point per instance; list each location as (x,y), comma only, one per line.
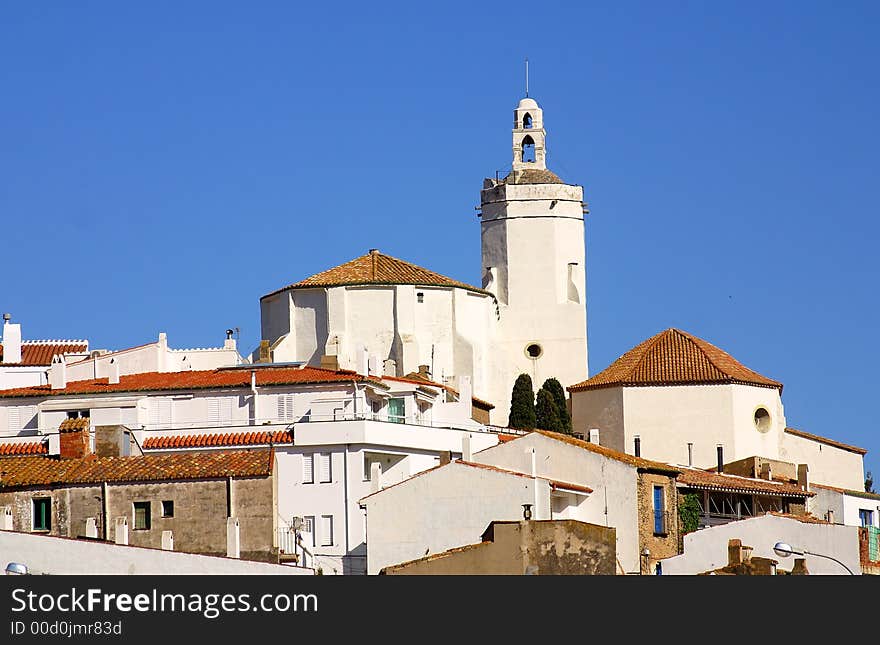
(376,268)
(675,357)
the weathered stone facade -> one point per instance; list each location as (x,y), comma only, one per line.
(664,543)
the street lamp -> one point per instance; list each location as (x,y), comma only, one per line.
(783,550)
(16,569)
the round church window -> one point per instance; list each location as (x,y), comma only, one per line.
(762,419)
(534,350)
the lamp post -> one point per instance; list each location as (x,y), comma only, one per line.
(783,550)
(16,569)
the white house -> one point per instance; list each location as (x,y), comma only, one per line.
(679,399)
(561,477)
(842,506)
(706,549)
(528,316)
(333,431)
(24,362)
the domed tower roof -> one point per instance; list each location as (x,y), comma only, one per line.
(674,357)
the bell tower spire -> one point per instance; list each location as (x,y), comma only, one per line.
(528,136)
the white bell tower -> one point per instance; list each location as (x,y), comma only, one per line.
(533,253)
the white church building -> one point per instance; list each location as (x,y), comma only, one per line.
(528,315)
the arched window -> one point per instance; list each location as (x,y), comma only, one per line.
(528,149)
(527,120)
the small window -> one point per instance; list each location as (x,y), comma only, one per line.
(326,530)
(420,297)
(141,516)
(42,507)
(866,517)
(77,414)
(396,410)
(168,508)
(659,511)
(308,469)
(534,350)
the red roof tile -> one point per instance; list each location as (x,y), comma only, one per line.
(638,462)
(379,269)
(674,357)
(24,448)
(693,477)
(51,471)
(35,352)
(847,491)
(218,439)
(221,378)
(71,425)
(825,440)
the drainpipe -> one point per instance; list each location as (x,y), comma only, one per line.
(105,512)
(345,493)
(534,478)
(355,386)
(254,393)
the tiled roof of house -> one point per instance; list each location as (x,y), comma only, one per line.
(194,380)
(674,357)
(24,448)
(638,462)
(40,352)
(696,478)
(379,269)
(415,377)
(533,176)
(173,466)
(847,491)
(433,556)
(825,440)
(218,439)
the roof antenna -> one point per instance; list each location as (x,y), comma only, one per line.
(527,77)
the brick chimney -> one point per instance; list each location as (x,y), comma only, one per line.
(445,457)
(265,355)
(74,438)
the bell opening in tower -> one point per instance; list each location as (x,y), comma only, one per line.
(528,150)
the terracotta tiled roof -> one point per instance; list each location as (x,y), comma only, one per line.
(695,478)
(194,380)
(24,448)
(51,471)
(433,556)
(532,176)
(632,460)
(415,377)
(36,352)
(71,425)
(825,440)
(218,439)
(376,268)
(806,519)
(674,357)
(847,491)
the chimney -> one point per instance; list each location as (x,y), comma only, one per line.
(800,567)
(720,466)
(362,366)
(445,457)
(466,454)
(11,340)
(58,373)
(389,367)
(425,372)
(830,516)
(766,471)
(373,366)
(229,343)
(121,534)
(113,376)
(375,476)
(734,551)
(803,477)
(330,362)
(233,538)
(92,528)
(637,446)
(74,438)
(594,435)
(690,454)
(265,355)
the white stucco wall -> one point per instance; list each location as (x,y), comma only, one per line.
(613,501)
(706,549)
(828,464)
(445,508)
(44,554)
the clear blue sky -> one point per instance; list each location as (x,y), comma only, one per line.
(163,165)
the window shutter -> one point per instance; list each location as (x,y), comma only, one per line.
(214,410)
(326,530)
(285,407)
(226,409)
(309,526)
(326,474)
(14,418)
(308,469)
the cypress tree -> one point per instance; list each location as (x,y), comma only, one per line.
(546,414)
(555,388)
(522,404)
